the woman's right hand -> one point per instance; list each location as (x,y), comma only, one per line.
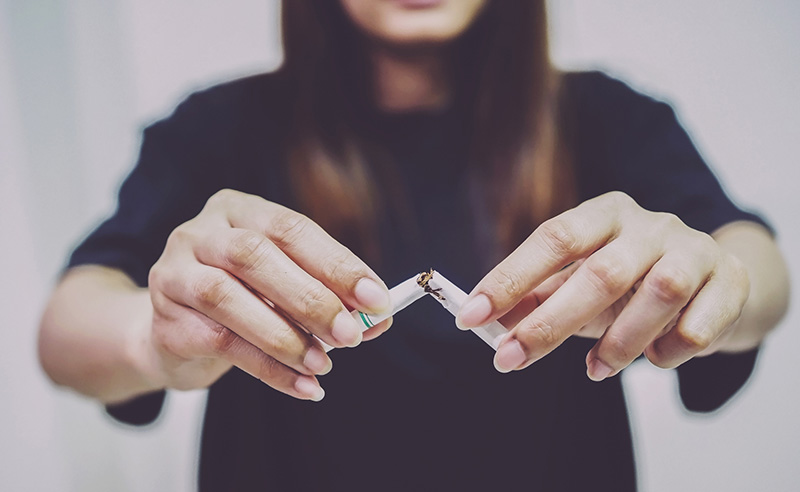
(243,284)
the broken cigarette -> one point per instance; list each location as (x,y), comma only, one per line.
(452,297)
(437,286)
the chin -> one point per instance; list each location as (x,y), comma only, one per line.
(414,22)
(415,28)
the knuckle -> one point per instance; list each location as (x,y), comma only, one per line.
(271,340)
(268,368)
(671,285)
(704,247)
(619,199)
(156,277)
(223,198)
(559,237)
(161,303)
(608,276)
(287,227)
(538,333)
(165,279)
(247,251)
(510,282)
(317,301)
(668,221)
(223,340)
(340,266)
(213,291)
(617,349)
(180,235)
(694,341)
(705,241)
(666,224)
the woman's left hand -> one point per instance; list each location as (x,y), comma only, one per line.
(640,281)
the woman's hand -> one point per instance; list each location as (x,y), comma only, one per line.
(244,284)
(641,282)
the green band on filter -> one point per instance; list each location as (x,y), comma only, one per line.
(365,319)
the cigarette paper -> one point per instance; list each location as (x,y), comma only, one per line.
(400,296)
(452,297)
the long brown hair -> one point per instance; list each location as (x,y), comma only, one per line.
(503,74)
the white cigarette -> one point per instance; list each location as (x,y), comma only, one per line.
(400,296)
(452,297)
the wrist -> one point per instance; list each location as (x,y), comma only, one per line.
(140,353)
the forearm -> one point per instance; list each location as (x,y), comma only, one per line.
(93,335)
(769,284)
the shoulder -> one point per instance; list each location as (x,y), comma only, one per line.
(595,98)
(231,110)
(621,137)
(606,117)
(230,135)
(244,96)
(601,90)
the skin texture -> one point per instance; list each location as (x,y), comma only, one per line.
(245,282)
(641,282)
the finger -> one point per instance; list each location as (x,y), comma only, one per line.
(600,323)
(259,263)
(665,290)
(538,295)
(222,298)
(224,348)
(599,282)
(716,307)
(255,362)
(311,248)
(378,329)
(565,238)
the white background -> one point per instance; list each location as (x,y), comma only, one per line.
(78,80)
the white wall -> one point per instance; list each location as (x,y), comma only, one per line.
(79,78)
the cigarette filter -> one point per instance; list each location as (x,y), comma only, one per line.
(400,296)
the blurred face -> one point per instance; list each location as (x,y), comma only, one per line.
(413,22)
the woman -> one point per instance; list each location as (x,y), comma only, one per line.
(404,134)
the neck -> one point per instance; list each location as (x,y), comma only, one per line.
(407,82)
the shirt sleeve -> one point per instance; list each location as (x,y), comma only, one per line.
(644,151)
(175,174)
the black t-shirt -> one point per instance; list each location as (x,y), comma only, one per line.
(421,407)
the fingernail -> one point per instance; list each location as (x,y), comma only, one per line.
(598,370)
(309,388)
(317,362)
(372,296)
(474,312)
(345,330)
(509,356)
